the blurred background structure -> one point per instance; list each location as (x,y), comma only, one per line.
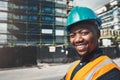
(33,31)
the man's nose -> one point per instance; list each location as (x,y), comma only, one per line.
(78,38)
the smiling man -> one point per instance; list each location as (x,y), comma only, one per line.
(83,29)
(84,38)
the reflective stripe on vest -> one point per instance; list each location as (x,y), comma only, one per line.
(90,75)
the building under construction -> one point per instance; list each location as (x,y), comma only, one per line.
(32,22)
(28,27)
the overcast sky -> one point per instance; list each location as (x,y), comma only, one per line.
(93,4)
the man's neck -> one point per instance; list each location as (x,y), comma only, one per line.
(94,54)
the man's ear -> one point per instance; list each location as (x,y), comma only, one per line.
(98,33)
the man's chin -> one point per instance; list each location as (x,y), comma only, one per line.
(82,53)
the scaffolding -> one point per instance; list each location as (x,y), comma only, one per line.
(33,22)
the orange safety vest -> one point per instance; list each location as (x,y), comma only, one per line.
(92,70)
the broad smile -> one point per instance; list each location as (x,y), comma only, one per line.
(81,47)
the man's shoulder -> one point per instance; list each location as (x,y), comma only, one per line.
(74,63)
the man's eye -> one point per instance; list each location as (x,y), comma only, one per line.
(71,35)
(84,33)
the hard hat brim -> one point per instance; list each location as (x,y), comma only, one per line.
(94,21)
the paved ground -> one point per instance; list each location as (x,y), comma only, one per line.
(41,72)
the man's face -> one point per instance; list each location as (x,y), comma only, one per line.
(84,38)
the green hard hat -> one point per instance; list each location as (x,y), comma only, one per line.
(78,14)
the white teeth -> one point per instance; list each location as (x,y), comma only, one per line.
(80,44)
(80,47)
